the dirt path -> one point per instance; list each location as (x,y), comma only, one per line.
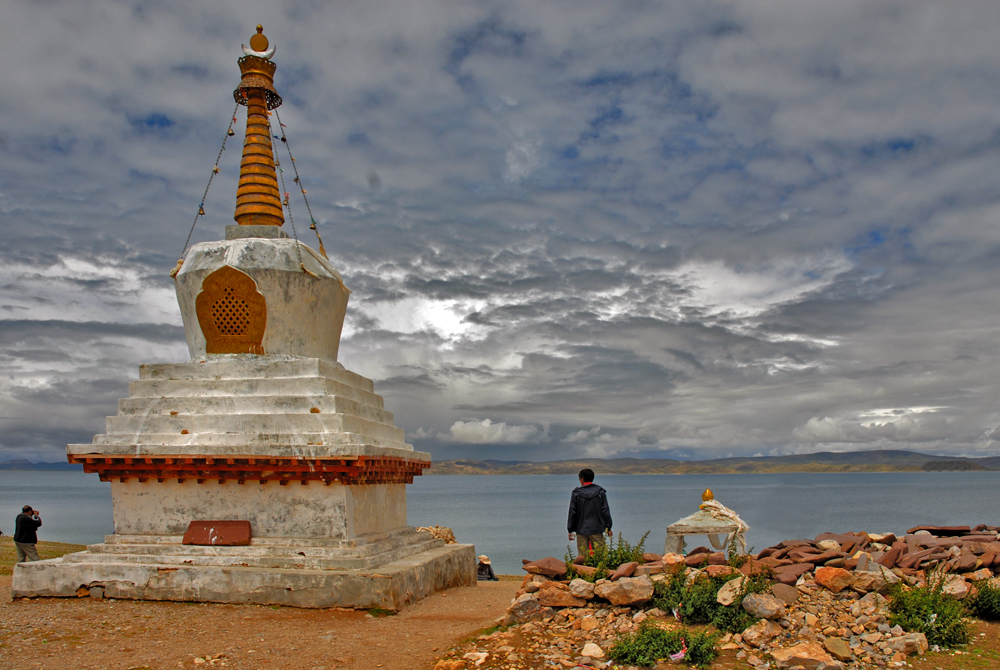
(86,633)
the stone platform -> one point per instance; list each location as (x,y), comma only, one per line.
(300,447)
(388,571)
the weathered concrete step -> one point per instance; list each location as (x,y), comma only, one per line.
(169,557)
(386,544)
(280,386)
(254,404)
(250,424)
(247,367)
(390,586)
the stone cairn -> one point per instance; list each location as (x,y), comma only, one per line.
(826,610)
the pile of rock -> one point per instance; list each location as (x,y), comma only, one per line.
(823,624)
(813,625)
(825,611)
(953,549)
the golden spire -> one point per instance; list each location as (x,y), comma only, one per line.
(258,199)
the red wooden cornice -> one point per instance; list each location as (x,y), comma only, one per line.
(343,469)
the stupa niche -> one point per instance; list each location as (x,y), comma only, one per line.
(262,425)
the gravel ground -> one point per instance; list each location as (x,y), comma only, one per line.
(89,633)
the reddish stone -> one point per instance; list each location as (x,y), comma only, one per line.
(557,594)
(940,542)
(700,550)
(651,558)
(719,570)
(791,544)
(913,558)
(834,579)
(850,563)
(967,562)
(753,567)
(579,560)
(819,559)
(789,574)
(651,568)
(695,560)
(814,556)
(770,551)
(941,530)
(218,533)
(782,553)
(774,562)
(888,539)
(718,558)
(548,566)
(801,553)
(986,560)
(890,558)
(624,570)
(585,570)
(786,593)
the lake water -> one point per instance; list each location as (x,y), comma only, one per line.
(524,516)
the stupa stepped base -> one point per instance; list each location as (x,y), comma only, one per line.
(247,405)
(275,571)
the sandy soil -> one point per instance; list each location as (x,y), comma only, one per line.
(88,633)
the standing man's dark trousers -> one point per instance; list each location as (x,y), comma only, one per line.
(585,542)
(26,552)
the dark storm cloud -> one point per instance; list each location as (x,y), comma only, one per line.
(571,228)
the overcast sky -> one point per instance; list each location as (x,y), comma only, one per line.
(677,229)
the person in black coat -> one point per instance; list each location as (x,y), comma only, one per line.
(589,515)
(25,534)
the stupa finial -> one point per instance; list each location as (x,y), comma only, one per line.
(258,199)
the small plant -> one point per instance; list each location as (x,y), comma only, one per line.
(607,558)
(696,602)
(651,644)
(736,559)
(379,612)
(928,610)
(986,603)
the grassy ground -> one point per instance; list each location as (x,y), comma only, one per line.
(45,550)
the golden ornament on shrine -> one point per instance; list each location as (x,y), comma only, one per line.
(259,42)
(258,199)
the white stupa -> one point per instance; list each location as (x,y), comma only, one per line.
(262,429)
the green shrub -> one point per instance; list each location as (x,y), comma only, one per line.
(608,558)
(696,602)
(928,610)
(651,643)
(986,603)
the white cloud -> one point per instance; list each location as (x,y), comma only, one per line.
(487,432)
(582,435)
(715,288)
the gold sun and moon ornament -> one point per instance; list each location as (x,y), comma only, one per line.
(706,497)
(258,196)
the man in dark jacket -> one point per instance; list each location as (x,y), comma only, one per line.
(589,516)
(25,537)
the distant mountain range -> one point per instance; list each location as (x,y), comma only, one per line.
(824,461)
(28,465)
